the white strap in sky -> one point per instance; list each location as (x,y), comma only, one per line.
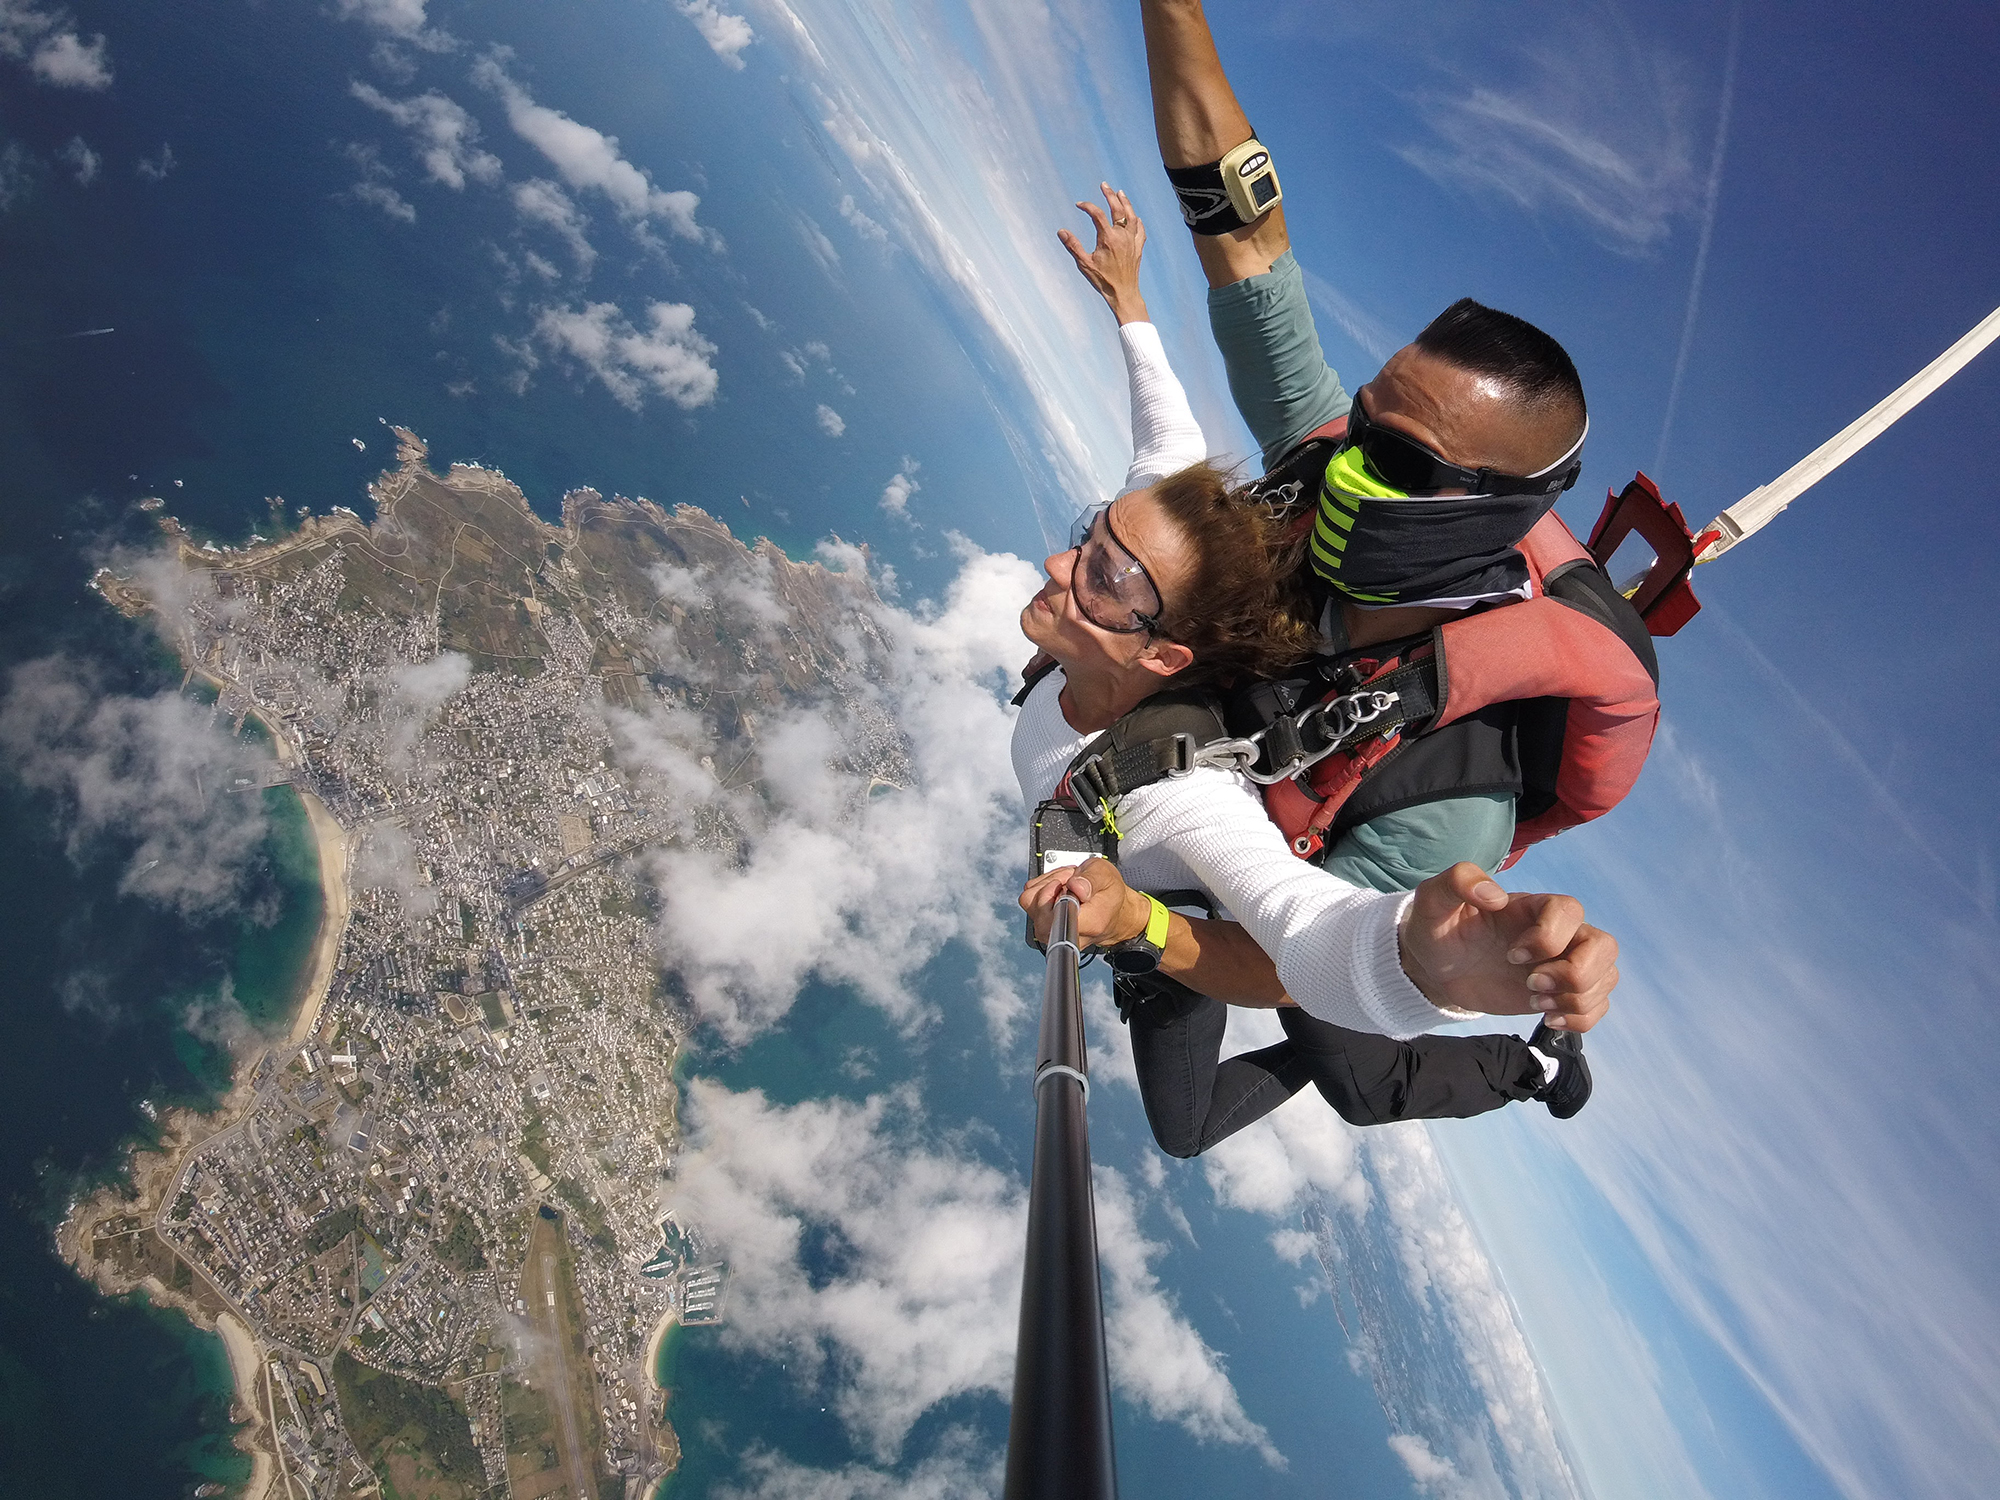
(1757,509)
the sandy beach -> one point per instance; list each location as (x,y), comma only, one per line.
(247,1367)
(331,841)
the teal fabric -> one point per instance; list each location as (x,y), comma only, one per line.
(1277,372)
(1398,850)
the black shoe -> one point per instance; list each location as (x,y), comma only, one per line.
(1569,1090)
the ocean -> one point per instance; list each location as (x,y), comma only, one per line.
(263,320)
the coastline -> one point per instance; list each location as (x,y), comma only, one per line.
(655,1341)
(245,1361)
(151,1170)
(330,840)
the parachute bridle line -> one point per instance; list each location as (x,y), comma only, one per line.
(1059,1435)
(1762,505)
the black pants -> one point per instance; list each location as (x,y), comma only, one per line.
(1195,1097)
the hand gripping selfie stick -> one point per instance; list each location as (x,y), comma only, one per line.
(1059,1438)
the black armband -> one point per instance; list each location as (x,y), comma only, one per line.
(1230,193)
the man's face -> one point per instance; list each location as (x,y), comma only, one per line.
(1463,418)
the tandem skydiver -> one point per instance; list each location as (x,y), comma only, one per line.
(1481,423)
(1186,580)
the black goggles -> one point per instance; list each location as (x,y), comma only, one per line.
(1405,464)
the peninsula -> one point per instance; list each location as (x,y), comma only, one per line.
(428,1221)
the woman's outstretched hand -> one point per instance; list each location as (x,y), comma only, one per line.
(1470,945)
(1113,266)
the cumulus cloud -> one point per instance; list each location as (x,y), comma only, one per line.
(385,856)
(830,421)
(725,34)
(158,168)
(413,692)
(1157,1358)
(442,134)
(959,1469)
(667,357)
(156,775)
(83,161)
(825,878)
(403,20)
(896,493)
(588,158)
(887,1265)
(540,201)
(375,188)
(68,61)
(862,225)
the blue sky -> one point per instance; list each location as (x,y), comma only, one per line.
(1757,1264)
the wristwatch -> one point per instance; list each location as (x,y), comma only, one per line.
(1141,954)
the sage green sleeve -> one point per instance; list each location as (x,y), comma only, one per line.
(1400,849)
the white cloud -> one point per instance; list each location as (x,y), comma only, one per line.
(1376,338)
(83,161)
(157,168)
(67,61)
(830,421)
(1157,1358)
(1619,156)
(374,187)
(404,20)
(960,1469)
(828,873)
(862,225)
(442,134)
(588,158)
(158,775)
(818,245)
(542,202)
(896,493)
(381,195)
(17,174)
(915,1251)
(666,358)
(725,34)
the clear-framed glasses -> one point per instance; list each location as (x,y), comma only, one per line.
(1111,587)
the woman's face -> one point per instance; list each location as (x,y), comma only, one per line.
(1053,619)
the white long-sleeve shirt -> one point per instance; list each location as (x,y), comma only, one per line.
(1334,943)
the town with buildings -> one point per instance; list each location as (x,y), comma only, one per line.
(430,1221)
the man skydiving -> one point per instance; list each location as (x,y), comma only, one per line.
(1455,450)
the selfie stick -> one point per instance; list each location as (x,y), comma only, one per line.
(1761,506)
(1059,1438)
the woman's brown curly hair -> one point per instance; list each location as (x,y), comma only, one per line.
(1246,611)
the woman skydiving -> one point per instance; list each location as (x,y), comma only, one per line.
(1185,581)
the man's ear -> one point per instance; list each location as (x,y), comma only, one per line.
(1166,658)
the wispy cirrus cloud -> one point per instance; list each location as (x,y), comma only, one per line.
(1617,156)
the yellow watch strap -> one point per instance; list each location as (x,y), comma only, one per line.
(1156,924)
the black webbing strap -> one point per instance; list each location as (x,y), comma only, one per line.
(1104,774)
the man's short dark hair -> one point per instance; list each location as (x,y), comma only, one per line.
(1510,350)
